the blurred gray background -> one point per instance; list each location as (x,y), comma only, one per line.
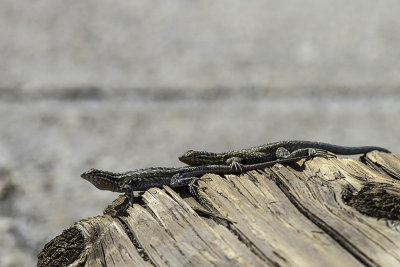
(125,85)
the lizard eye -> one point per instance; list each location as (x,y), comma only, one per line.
(191,153)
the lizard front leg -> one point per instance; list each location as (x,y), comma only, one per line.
(130,193)
(235,163)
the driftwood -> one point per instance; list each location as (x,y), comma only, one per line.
(336,212)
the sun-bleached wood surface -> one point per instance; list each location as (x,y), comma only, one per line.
(330,212)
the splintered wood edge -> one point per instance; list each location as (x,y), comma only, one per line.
(85,241)
(384,162)
(370,240)
(156,230)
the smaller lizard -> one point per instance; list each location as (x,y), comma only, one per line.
(269,152)
(142,179)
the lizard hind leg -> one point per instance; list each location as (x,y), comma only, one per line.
(312,153)
(324,154)
(179,180)
(282,153)
(186,179)
(194,187)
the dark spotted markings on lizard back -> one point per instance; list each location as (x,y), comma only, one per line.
(269,152)
(143,179)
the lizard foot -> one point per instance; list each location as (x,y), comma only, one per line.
(178,180)
(235,164)
(129,193)
(193,183)
(282,153)
(194,187)
(322,153)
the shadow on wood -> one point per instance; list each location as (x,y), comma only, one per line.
(336,212)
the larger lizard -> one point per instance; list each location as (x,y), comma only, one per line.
(269,152)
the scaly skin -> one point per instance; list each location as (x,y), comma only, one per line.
(142,179)
(268,152)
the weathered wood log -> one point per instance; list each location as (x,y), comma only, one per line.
(336,212)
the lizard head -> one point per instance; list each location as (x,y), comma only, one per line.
(103,180)
(196,158)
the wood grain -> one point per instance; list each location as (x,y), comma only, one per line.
(336,212)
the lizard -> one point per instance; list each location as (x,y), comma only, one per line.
(143,179)
(269,152)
